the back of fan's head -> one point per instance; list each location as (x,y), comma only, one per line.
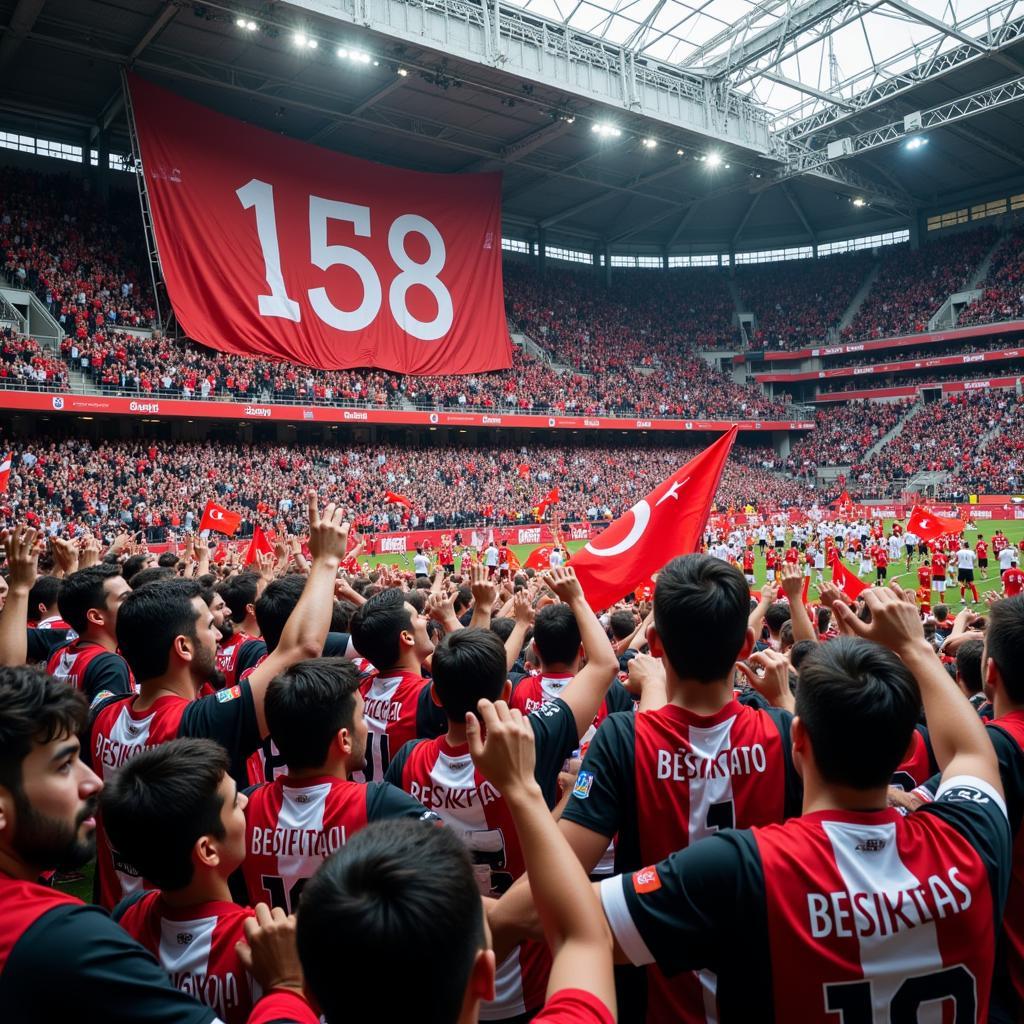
(149,621)
(1004,641)
(377,627)
(556,635)
(308,705)
(468,665)
(858,704)
(400,892)
(701,607)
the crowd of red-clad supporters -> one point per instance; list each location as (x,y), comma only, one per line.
(843,434)
(79,254)
(24,363)
(1003,288)
(798,302)
(113,486)
(911,286)
(997,464)
(940,437)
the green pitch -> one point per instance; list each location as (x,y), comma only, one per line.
(1013,529)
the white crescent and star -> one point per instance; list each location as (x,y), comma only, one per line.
(641,517)
(216,515)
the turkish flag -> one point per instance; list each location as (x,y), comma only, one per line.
(5,473)
(259,545)
(216,517)
(397,499)
(666,523)
(928,526)
(221,553)
(843,501)
(551,498)
(539,558)
(845,580)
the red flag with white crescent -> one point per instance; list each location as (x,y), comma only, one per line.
(5,473)
(928,526)
(845,580)
(216,517)
(667,523)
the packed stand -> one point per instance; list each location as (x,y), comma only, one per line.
(843,434)
(1003,288)
(26,365)
(911,286)
(80,255)
(798,302)
(940,438)
(113,486)
(997,467)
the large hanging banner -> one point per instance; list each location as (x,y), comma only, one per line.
(273,247)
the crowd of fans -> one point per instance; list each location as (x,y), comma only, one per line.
(795,302)
(25,364)
(112,486)
(842,435)
(1003,288)
(997,466)
(80,255)
(940,437)
(911,286)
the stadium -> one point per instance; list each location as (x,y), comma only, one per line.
(464,319)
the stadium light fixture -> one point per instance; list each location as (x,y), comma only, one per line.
(247,24)
(918,142)
(303,42)
(713,159)
(402,72)
(606,131)
(859,201)
(650,143)
(680,152)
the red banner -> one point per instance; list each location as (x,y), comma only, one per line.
(898,341)
(273,247)
(258,412)
(949,387)
(897,367)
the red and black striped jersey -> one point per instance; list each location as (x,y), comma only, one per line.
(58,957)
(444,779)
(837,917)
(397,708)
(239,653)
(196,947)
(92,669)
(292,827)
(662,780)
(118,732)
(532,692)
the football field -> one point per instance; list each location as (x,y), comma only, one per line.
(1013,529)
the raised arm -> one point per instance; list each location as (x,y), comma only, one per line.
(956,732)
(585,693)
(756,620)
(484,593)
(793,586)
(522,608)
(574,923)
(306,630)
(22,546)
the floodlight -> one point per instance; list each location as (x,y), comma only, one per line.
(402,72)
(917,142)
(650,143)
(714,159)
(859,201)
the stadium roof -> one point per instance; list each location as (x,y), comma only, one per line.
(784,111)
